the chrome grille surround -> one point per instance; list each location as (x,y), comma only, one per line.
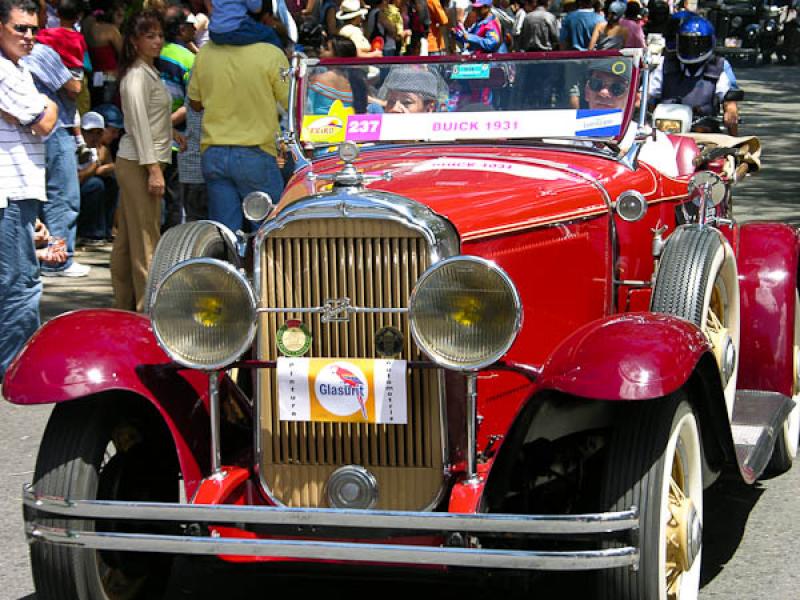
(354,203)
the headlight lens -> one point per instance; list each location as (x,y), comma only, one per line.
(669,125)
(465,313)
(204,314)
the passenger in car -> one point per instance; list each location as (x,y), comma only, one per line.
(410,91)
(346,85)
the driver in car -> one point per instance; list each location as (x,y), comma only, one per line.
(607,88)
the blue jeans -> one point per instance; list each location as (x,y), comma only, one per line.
(99,196)
(60,212)
(249,31)
(20,286)
(232,172)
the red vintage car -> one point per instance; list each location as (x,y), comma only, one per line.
(494,323)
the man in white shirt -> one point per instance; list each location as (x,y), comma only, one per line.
(26,116)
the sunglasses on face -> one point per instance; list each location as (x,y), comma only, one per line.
(23,29)
(616,88)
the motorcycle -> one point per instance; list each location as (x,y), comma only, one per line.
(680,118)
(789,45)
(746,29)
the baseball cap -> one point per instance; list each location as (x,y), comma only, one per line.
(617,8)
(615,66)
(477,3)
(111,114)
(92,120)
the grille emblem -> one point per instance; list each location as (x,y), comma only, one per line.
(388,342)
(336,310)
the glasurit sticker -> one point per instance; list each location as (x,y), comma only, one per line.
(342,390)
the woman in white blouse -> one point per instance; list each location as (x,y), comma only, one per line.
(144,150)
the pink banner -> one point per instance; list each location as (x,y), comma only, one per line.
(363,128)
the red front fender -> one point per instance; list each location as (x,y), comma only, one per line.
(633,356)
(93,351)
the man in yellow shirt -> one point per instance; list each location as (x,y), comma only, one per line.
(240,88)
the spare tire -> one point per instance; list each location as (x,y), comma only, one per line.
(190,240)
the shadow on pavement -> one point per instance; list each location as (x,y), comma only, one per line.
(727,504)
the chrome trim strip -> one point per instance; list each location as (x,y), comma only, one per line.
(323,550)
(324,309)
(358,203)
(297,72)
(213,409)
(396,521)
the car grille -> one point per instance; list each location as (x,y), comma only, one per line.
(374,264)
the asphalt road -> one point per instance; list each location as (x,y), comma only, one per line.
(751,533)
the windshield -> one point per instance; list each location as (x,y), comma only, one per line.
(467,100)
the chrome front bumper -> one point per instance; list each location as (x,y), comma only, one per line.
(313,523)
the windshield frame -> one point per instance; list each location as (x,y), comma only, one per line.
(300,81)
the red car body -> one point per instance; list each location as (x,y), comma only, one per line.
(588,340)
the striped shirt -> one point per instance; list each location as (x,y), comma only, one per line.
(49,76)
(190,168)
(21,152)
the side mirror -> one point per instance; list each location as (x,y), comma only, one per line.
(734,95)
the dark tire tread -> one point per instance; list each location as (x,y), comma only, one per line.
(635,468)
(683,273)
(53,566)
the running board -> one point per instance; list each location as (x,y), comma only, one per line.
(757,420)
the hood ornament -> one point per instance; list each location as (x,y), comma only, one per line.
(349,176)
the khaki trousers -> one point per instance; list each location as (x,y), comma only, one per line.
(138,232)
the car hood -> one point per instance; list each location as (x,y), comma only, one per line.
(483,194)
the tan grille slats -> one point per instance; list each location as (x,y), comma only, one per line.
(374,264)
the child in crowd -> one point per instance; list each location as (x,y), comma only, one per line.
(71,48)
(98,183)
(231,24)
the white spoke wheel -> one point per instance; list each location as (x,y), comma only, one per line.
(786,444)
(697,281)
(96,450)
(655,463)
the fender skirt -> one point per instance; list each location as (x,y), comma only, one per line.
(633,356)
(88,352)
(767,263)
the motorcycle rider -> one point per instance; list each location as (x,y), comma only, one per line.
(695,76)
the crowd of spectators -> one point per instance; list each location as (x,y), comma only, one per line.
(120,120)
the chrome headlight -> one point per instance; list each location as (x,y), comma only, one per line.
(256,206)
(204,313)
(465,313)
(669,125)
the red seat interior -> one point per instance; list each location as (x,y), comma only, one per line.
(686,150)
